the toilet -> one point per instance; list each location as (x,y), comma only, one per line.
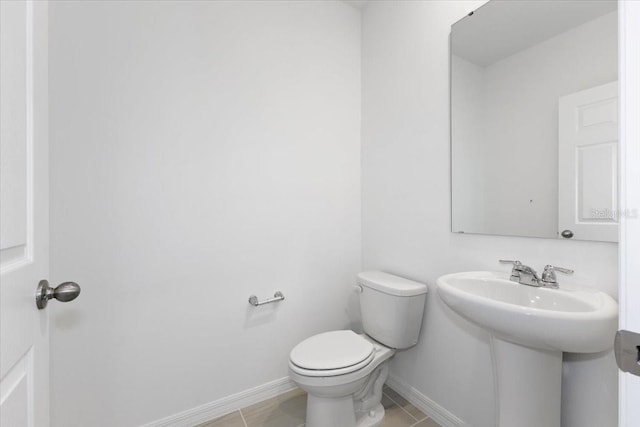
(343,372)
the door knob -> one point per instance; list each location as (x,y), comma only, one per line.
(567,234)
(64,292)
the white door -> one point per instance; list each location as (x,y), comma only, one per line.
(588,164)
(629,43)
(24,233)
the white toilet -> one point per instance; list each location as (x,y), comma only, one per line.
(343,372)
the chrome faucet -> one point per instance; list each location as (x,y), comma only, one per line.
(526,275)
(515,273)
(522,274)
(549,275)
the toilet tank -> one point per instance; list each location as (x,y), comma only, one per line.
(392,308)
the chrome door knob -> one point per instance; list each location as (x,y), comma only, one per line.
(567,234)
(64,292)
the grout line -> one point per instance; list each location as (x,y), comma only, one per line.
(424,419)
(242,416)
(408,413)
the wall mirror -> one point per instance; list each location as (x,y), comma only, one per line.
(534,132)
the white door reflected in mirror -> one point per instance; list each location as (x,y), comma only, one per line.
(588,164)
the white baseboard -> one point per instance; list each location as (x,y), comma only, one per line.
(220,407)
(426,405)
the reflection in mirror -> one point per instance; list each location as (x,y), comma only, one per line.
(534,120)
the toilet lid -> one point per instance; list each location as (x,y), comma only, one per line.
(331,350)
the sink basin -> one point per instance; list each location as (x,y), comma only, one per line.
(567,320)
(530,328)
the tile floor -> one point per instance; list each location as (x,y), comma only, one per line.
(288,410)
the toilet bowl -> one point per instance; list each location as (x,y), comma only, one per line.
(343,372)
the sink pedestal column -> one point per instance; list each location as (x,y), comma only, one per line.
(528,383)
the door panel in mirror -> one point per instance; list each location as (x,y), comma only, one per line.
(588,163)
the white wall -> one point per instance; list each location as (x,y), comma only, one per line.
(406,219)
(468,131)
(201,152)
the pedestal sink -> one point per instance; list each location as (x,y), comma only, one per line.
(530,327)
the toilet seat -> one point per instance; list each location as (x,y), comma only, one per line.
(331,353)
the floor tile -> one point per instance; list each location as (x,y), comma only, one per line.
(394,415)
(289,410)
(286,410)
(233,419)
(404,404)
(427,423)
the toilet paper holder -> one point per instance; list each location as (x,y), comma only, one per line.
(253,300)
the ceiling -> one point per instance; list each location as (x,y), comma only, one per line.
(501,28)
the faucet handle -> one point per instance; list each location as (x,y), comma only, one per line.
(506,261)
(552,268)
(549,274)
(515,272)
